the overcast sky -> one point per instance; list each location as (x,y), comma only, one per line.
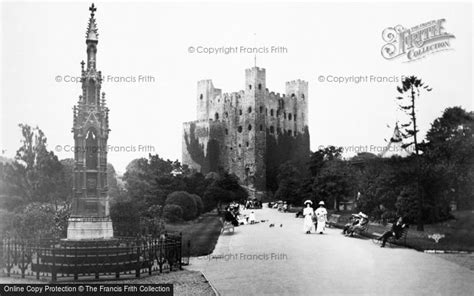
(41,41)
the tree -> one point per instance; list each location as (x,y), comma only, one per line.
(450,144)
(36,175)
(321,156)
(410,89)
(150,181)
(289,184)
(334,182)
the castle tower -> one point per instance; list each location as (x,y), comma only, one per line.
(255,94)
(90,206)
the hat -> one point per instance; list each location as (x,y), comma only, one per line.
(321,203)
(308,201)
(363,215)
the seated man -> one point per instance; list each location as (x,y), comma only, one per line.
(353,222)
(360,226)
(396,231)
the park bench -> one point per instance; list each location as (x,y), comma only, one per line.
(333,220)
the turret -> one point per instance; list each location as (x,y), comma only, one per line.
(298,90)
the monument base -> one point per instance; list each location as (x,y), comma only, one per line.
(89,228)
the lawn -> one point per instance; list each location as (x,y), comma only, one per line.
(458,232)
(200,235)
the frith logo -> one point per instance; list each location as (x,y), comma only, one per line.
(416,42)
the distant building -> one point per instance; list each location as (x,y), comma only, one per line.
(249,133)
(394,147)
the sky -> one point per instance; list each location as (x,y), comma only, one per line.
(152,55)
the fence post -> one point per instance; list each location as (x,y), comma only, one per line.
(22,259)
(76,276)
(38,252)
(137,271)
(8,258)
(117,272)
(53,268)
(180,251)
(96,263)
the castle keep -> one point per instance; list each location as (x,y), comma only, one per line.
(249,133)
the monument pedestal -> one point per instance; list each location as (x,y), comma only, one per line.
(89,228)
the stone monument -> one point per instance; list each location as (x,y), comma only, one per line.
(90,219)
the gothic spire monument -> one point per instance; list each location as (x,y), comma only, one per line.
(90,217)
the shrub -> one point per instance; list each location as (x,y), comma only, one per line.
(126,218)
(173,213)
(199,204)
(185,201)
(40,220)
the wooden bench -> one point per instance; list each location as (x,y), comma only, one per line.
(402,238)
(393,240)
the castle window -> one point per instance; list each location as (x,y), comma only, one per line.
(247,144)
(259,86)
(240,112)
(261,109)
(226,131)
(250,109)
(250,86)
(279,131)
(261,127)
(201,96)
(289,116)
(239,129)
(272,129)
(250,127)
(284,115)
(296,133)
(293,95)
(289,132)
(271,112)
(294,117)
(302,96)
(240,145)
(216,116)
(278,113)
(226,115)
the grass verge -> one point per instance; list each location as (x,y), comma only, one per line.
(200,235)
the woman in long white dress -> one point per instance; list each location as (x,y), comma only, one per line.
(321,216)
(308,214)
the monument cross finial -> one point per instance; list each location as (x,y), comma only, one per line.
(92,9)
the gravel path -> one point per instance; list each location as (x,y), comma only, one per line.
(185,282)
(262,260)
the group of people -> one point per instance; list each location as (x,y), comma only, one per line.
(314,219)
(232,214)
(253,204)
(358,223)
